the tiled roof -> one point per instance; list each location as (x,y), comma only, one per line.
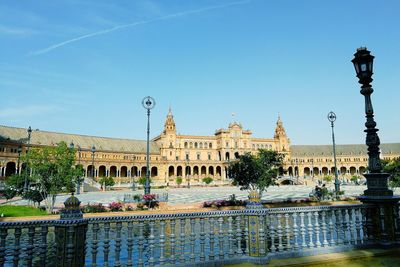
(84,141)
(326,150)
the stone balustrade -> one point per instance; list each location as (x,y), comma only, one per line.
(185,239)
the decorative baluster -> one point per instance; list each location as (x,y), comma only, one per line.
(172,241)
(182,224)
(261,233)
(353,226)
(211,238)
(221,238)
(43,245)
(162,242)
(3,237)
(272,232)
(246,237)
(230,238)
(368,225)
(303,230)
(317,240)
(280,233)
(384,235)
(346,227)
(140,243)
(151,243)
(397,223)
(95,230)
(339,228)
(17,245)
(29,251)
(324,229)
(332,223)
(106,243)
(287,231)
(310,230)
(129,243)
(238,236)
(70,246)
(295,231)
(192,239)
(202,240)
(118,242)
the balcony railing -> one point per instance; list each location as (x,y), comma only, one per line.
(184,239)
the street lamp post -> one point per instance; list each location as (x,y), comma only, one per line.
(332,119)
(27,162)
(377,181)
(384,227)
(19,158)
(78,191)
(187,172)
(148,103)
(93,152)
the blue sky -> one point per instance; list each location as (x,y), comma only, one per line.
(83,66)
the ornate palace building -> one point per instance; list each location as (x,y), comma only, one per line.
(191,157)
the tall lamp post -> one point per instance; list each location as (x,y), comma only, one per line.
(19,158)
(78,191)
(27,162)
(332,119)
(148,103)
(377,181)
(383,216)
(93,152)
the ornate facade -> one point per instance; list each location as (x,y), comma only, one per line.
(188,156)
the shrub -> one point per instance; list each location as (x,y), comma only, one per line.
(150,201)
(137,197)
(179,180)
(142,180)
(115,206)
(9,193)
(107,181)
(207,180)
(94,208)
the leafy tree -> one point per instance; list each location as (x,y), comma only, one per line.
(392,167)
(142,180)
(9,193)
(207,180)
(255,172)
(107,181)
(179,181)
(355,179)
(327,178)
(53,171)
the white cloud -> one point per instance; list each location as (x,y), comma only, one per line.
(7,30)
(137,23)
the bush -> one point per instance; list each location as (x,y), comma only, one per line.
(207,180)
(142,181)
(179,180)
(116,206)
(107,181)
(150,201)
(94,208)
(9,193)
(137,197)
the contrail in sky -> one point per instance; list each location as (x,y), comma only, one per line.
(137,23)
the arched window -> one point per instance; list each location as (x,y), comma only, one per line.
(186,145)
(210,145)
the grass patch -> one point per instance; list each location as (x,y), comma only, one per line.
(19,211)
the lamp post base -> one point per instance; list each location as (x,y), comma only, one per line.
(378,185)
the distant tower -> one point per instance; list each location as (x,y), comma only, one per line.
(281,140)
(169,126)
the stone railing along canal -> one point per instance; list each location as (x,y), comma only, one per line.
(184,239)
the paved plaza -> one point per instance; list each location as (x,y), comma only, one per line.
(201,194)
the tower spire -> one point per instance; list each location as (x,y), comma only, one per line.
(169,126)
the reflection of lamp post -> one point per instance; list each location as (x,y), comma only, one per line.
(332,118)
(27,161)
(148,103)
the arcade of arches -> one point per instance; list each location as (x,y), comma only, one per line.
(189,156)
